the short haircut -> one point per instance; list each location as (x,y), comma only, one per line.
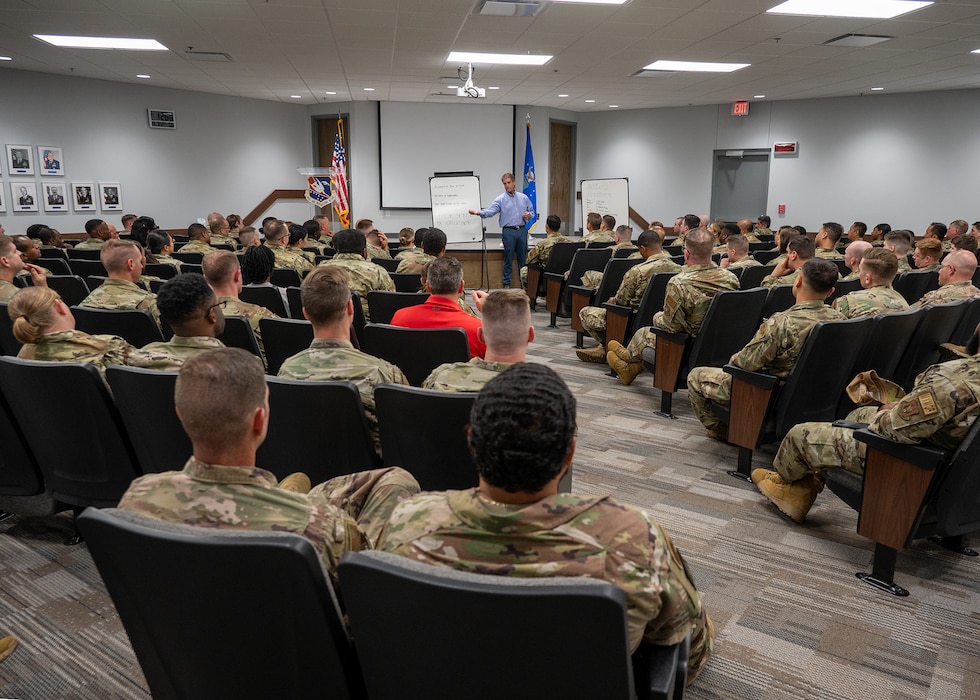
(434,241)
(881,263)
(625,232)
(297,233)
(157,240)
(899,241)
(738,243)
(833,230)
(553,222)
(406,236)
(444,275)
(764,220)
(506,319)
(265,222)
(364,225)
(856,250)
(275,231)
(141,228)
(803,246)
(92,224)
(964,261)
(43,234)
(965,241)
(116,252)
(32,310)
(349,241)
(609,220)
(801,230)
(594,220)
(692,221)
(649,239)
(885,229)
(861,227)
(127,218)
(819,275)
(220,266)
(312,227)
(938,228)
(183,297)
(258,262)
(6,245)
(785,234)
(521,428)
(420,236)
(216,395)
(373,238)
(247,234)
(218,223)
(731,229)
(196,231)
(325,292)
(959,225)
(930,247)
(507,176)
(234,220)
(699,243)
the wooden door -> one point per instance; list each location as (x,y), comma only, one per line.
(560,174)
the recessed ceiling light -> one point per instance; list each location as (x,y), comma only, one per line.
(594,2)
(563,96)
(368,89)
(144,76)
(870,9)
(613,106)
(8,58)
(102,42)
(696,66)
(296,97)
(493,87)
(877,89)
(757,97)
(452,87)
(514,59)
(590,100)
(331,92)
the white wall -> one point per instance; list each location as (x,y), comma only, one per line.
(227,153)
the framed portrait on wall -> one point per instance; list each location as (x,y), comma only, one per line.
(50,160)
(24,196)
(3,197)
(55,198)
(20,160)
(82,197)
(110,196)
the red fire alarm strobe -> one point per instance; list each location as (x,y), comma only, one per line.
(785,147)
(781,209)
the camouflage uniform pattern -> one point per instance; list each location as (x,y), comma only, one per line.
(90,244)
(348,513)
(773,349)
(291,258)
(374,251)
(598,237)
(332,358)
(686,303)
(828,254)
(541,253)
(856,274)
(464,376)
(406,252)
(747,261)
(414,262)
(172,354)
(121,295)
(939,410)
(772,280)
(870,302)
(197,247)
(218,239)
(562,535)
(762,230)
(253,312)
(903,264)
(948,293)
(7,291)
(927,268)
(167,260)
(76,346)
(593,278)
(364,276)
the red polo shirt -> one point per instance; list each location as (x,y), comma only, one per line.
(439,312)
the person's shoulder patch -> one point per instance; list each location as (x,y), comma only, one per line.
(927,401)
(908,409)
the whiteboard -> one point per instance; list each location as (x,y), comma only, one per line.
(451,199)
(609,196)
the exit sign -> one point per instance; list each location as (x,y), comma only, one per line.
(740,109)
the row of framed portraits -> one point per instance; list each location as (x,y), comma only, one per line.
(62,196)
(20,160)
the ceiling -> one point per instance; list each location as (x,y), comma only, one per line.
(281,48)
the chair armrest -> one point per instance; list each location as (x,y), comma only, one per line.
(852,424)
(676,338)
(557,276)
(619,318)
(658,669)
(579,290)
(923,456)
(759,379)
(752,394)
(618,309)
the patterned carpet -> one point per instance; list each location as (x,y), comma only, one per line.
(792,621)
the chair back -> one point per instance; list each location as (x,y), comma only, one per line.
(587,259)
(416,351)
(561,256)
(764,257)
(91,462)
(192,267)
(601,244)
(383,305)
(182,592)
(164,271)
(733,318)
(56,253)
(283,338)
(238,333)
(56,266)
(623,252)
(285,277)
(913,285)
(192,258)
(780,298)
(968,324)
(408,282)
(9,345)
(19,472)
(135,325)
(317,428)
(935,328)
(843,288)
(294,295)
(544,624)
(651,302)
(612,277)
(752,276)
(389,265)
(87,268)
(957,498)
(83,253)
(145,398)
(435,450)
(267,297)
(71,288)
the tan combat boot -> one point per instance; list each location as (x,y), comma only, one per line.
(7,645)
(627,371)
(618,348)
(793,499)
(596,354)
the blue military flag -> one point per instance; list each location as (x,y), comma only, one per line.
(530,189)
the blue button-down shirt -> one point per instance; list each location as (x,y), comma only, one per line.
(511,209)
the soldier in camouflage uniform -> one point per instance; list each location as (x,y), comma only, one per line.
(46,327)
(220,231)
(515,523)
(223,403)
(878,268)
(124,262)
(852,258)
(773,349)
(12,264)
(939,410)
(899,242)
(377,244)
(223,271)
(192,310)
(98,233)
(409,242)
(200,240)
(276,238)
(592,278)
(506,330)
(762,225)
(737,253)
(686,303)
(328,306)
(433,246)
(798,251)
(363,274)
(630,293)
(541,252)
(955,280)
(928,253)
(594,230)
(826,241)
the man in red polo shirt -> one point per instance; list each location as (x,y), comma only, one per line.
(444,283)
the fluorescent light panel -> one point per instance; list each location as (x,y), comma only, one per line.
(696,66)
(869,9)
(102,42)
(594,2)
(514,59)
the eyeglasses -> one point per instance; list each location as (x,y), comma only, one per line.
(221,304)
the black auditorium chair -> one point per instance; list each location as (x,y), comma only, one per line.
(238,333)
(267,297)
(752,276)
(83,254)
(623,321)
(383,305)
(416,351)
(764,257)
(843,288)
(192,258)
(936,327)
(71,288)
(409,282)
(581,296)
(559,261)
(192,267)
(285,277)
(195,647)
(8,343)
(164,271)
(913,285)
(294,295)
(544,623)
(389,265)
(283,338)
(780,298)
(87,268)
(56,253)
(968,323)
(623,252)
(136,326)
(56,266)
(558,299)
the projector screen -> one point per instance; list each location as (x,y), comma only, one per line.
(419,140)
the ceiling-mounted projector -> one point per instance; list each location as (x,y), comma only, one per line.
(468,89)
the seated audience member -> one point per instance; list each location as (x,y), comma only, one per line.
(123,262)
(936,230)
(199,241)
(433,246)
(276,239)
(190,306)
(540,254)
(140,229)
(975,229)
(515,523)
(98,233)
(877,271)
(852,257)
(326,232)
(377,245)
(955,280)
(798,251)
(939,410)
(592,278)
(927,255)
(299,240)
(127,222)
(30,252)
(856,231)
(724,232)
(46,327)
(327,304)
(899,241)
(686,301)
(248,236)
(312,228)
(408,249)
(956,228)
(161,245)
(762,225)
(964,241)
(406,240)
(506,331)
(630,292)
(737,250)
(364,275)
(774,348)
(235,225)
(781,240)
(257,264)
(224,273)
(221,231)
(223,404)
(444,283)
(826,241)
(878,234)
(50,238)
(745,228)
(12,264)
(595,231)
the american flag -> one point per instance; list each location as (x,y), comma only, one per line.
(338,179)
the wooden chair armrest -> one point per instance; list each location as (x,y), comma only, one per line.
(751,396)
(759,379)
(922,456)
(618,320)
(581,297)
(676,338)
(671,355)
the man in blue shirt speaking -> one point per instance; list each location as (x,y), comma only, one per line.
(515,211)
